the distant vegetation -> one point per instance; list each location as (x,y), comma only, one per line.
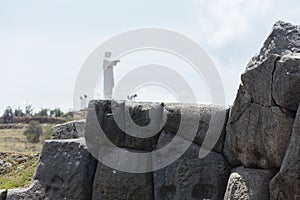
(22,134)
(44,115)
(33,132)
(14,140)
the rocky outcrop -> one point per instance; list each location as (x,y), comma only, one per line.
(262,117)
(69,130)
(262,131)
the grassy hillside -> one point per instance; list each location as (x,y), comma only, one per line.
(18,157)
(17,169)
(13,140)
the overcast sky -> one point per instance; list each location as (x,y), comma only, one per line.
(43,44)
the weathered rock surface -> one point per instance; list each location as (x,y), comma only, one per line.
(34,191)
(102,119)
(286,82)
(260,136)
(284,39)
(66,169)
(202,116)
(69,130)
(241,103)
(190,177)
(258,81)
(286,183)
(248,184)
(276,65)
(112,184)
(164,116)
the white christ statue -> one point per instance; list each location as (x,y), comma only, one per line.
(108,68)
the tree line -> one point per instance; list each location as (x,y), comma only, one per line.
(10,113)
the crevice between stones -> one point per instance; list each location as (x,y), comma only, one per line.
(273,99)
(240,115)
(273,72)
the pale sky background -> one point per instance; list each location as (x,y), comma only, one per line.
(43,44)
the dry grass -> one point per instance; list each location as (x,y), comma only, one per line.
(23,156)
(13,140)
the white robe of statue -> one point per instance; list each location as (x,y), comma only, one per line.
(108,68)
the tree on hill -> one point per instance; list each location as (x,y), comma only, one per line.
(56,112)
(8,115)
(19,112)
(43,112)
(29,110)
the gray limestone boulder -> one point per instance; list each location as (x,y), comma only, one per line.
(248,184)
(34,191)
(286,183)
(66,169)
(259,138)
(69,130)
(190,177)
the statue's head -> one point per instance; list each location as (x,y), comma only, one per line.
(107,54)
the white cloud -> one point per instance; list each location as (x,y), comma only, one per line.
(223,21)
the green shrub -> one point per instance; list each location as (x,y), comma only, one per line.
(47,132)
(33,132)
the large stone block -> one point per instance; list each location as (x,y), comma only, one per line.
(241,103)
(260,136)
(69,130)
(131,123)
(110,183)
(190,177)
(286,82)
(113,184)
(258,81)
(248,184)
(34,191)
(66,169)
(204,117)
(108,118)
(286,183)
